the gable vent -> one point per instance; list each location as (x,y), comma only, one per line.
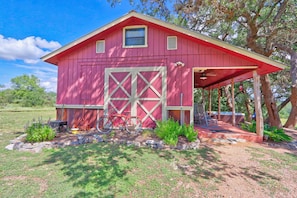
(100,46)
(171,43)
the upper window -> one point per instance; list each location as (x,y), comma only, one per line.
(100,46)
(171,43)
(135,36)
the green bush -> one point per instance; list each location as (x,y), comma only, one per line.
(251,127)
(273,133)
(39,132)
(169,131)
(276,135)
(189,133)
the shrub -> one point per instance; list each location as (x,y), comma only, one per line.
(169,131)
(276,135)
(189,133)
(39,132)
(251,127)
(273,133)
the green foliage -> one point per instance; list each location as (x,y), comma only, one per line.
(251,127)
(26,92)
(39,132)
(189,133)
(273,133)
(276,135)
(170,130)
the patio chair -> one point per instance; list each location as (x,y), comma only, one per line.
(201,117)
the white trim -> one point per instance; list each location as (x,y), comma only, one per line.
(134,72)
(185,108)
(100,46)
(135,27)
(168,43)
(77,106)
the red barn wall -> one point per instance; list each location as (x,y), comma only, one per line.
(81,70)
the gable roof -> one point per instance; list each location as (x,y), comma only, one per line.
(215,42)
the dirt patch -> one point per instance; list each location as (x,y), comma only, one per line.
(256,170)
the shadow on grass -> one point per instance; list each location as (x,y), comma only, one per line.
(258,176)
(99,170)
(95,168)
(201,164)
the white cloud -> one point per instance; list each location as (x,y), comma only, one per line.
(46,73)
(29,49)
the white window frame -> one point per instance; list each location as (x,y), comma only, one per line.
(102,42)
(171,37)
(135,27)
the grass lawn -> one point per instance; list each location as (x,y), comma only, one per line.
(106,170)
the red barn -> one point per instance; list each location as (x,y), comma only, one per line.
(147,67)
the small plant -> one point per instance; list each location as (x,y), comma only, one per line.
(276,135)
(273,133)
(39,132)
(251,127)
(170,130)
(189,133)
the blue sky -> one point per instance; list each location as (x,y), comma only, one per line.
(30,29)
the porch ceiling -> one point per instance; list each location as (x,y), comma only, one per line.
(220,77)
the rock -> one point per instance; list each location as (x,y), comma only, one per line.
(149,142)
(182,147)
(74,143)
(21,138)
(98,138)
(159,145)
(129,143)
(194,145)
(9,147)
(18,145)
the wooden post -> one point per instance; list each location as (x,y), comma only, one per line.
(209,101)
(257,100)
(219,103)
(233,102)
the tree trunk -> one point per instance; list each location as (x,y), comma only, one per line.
(229,99)
(280,107)
(283,104)
(270,103)
(292,120)
(247,106)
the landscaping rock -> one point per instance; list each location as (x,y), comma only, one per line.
(9,147)
(19,144)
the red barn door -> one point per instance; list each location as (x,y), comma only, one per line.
(140,91)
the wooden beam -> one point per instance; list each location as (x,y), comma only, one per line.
(257,100)
(233,102)
(219,103)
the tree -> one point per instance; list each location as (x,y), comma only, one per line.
(259,25)
(27,91)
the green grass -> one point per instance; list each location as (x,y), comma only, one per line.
(96,170)
(110,170)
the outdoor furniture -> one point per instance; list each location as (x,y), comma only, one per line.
(201,117)
(58,125)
